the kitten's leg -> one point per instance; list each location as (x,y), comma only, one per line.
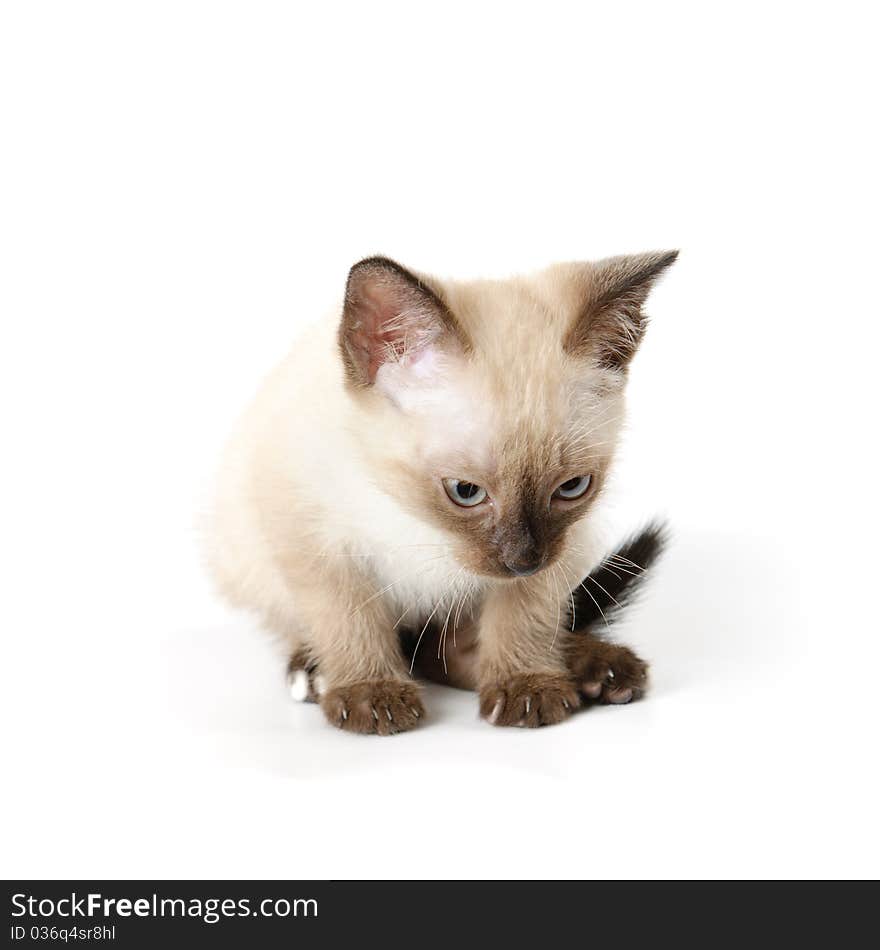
(523,679)
(604,672)
(363,684)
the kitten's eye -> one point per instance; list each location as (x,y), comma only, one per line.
(466,494)
(574,487)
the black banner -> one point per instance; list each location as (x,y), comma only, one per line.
(265,914)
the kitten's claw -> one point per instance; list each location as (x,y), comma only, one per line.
(530,699)
(357,707)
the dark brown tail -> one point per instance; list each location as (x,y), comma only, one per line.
(613,584)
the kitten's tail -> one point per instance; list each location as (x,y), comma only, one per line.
(613,584)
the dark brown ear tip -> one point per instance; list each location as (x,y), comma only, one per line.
(377,262)
(655,263)
(666,259)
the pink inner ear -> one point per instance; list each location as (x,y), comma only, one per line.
(390,322)
(395,333)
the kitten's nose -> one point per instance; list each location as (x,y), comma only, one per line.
(524,568)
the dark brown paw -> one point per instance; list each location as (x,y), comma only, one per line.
(533,699)
(605,672)
(378,707)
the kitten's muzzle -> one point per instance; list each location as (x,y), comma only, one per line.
(522,547)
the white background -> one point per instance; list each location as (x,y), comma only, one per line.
(184,185)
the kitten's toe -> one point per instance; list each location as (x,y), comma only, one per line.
(377,707)
(533,699)
(606,672)
(618,696)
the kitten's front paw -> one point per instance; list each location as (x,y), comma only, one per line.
(606,672)
(380,707)
(532,699)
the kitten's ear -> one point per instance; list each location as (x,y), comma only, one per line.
(610,322)
(391,315)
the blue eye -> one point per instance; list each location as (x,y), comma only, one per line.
(464,494)
(574,487)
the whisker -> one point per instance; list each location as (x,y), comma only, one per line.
(384,552)
(593,445)
(596,602)
(626,560)
(378,593)
(388,587)
(457,615)
(466,600)
(605,567)
(598,423)
(441,643)
(418,642)
(593,579)
(558,606)
(396,622)
(564,564)
(602,417)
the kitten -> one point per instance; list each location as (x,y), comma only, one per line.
(416,485)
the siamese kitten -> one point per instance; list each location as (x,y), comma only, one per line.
(414,492)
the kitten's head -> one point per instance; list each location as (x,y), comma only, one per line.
(492,408)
